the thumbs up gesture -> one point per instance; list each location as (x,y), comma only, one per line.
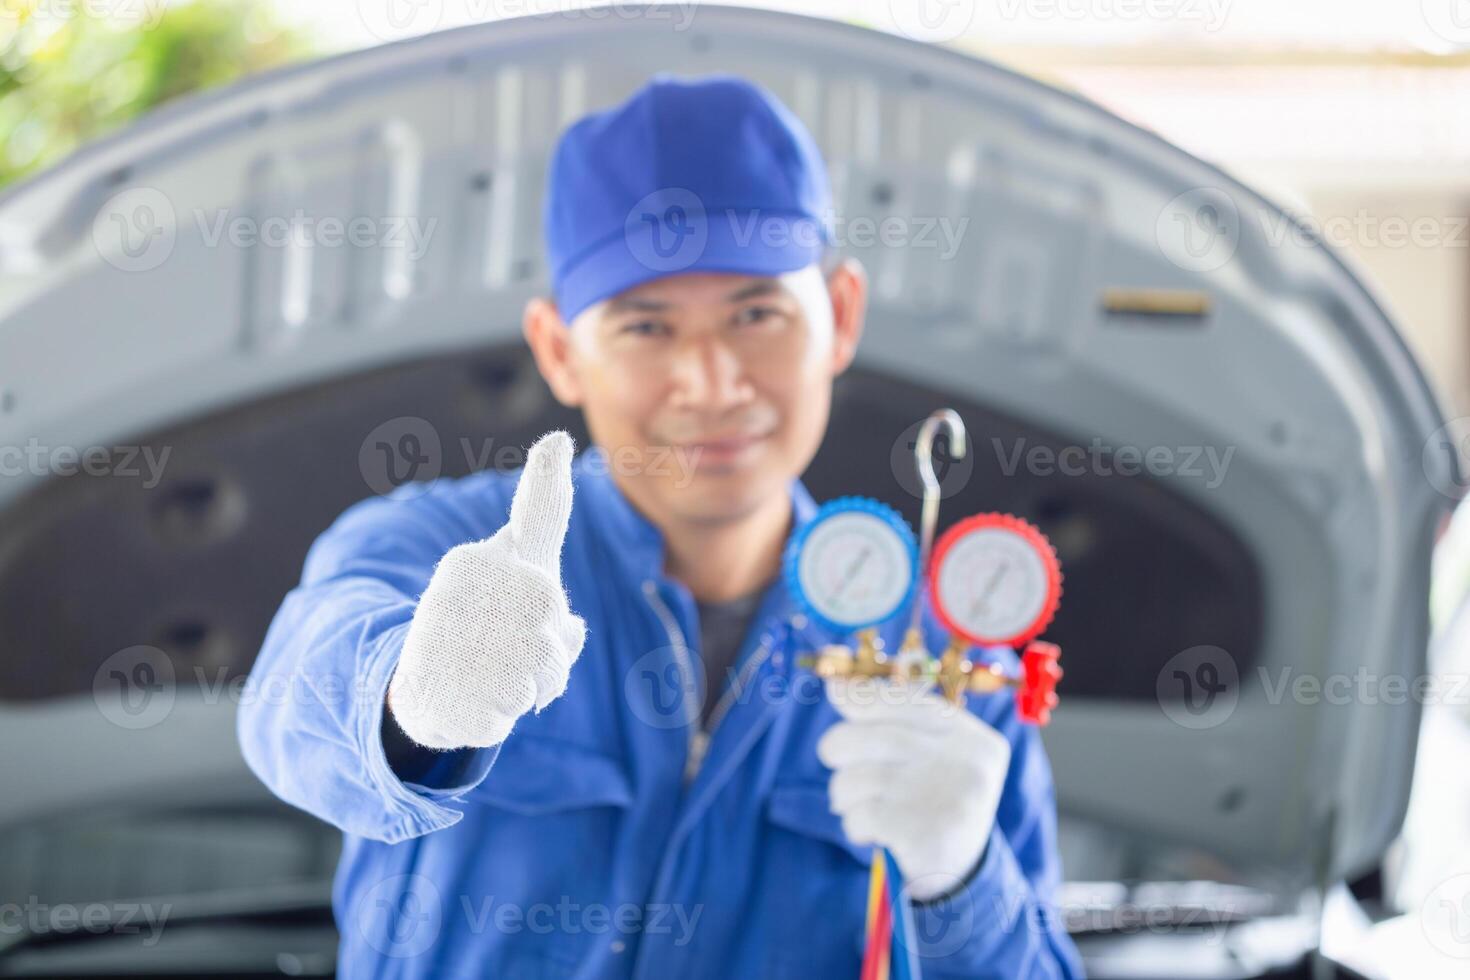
(493,636)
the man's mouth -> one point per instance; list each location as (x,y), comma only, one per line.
(723,450)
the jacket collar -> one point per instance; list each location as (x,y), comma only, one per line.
(638,540)
(639,543)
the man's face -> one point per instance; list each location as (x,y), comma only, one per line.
(707,391)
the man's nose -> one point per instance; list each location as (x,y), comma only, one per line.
(710,374)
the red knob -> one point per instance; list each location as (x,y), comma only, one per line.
(1040,672)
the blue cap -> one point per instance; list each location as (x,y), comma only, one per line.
(709,174)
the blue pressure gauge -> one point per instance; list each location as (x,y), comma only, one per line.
(853,565)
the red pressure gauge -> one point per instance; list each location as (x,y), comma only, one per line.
(995,580)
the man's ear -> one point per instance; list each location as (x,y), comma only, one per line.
(550,340)
(847,284)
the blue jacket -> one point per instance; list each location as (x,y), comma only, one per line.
(577,848)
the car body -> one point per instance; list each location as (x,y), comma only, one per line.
(1237,457)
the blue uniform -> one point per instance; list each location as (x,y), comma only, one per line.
(605,837)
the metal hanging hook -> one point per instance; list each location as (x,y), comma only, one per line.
(949,419)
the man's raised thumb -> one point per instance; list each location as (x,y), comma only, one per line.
(543,501)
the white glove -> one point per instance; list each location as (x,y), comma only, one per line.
(915,774)
(493,635)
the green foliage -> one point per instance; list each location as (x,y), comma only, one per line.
(72,70)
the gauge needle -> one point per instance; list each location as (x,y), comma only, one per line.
(852,570)
(990,587)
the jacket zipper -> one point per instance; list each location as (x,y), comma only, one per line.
(698,741)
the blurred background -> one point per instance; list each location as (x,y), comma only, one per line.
(1354,117)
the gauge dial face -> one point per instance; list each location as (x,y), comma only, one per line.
(855,567)
(995,581)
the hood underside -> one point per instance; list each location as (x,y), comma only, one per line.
(1080,290)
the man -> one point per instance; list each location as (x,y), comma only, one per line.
(529,791)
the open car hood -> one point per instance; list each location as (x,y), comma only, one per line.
(1108,290)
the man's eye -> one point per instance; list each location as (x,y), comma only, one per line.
(757,314)
(643,328)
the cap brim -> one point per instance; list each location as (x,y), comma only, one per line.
(727,242)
